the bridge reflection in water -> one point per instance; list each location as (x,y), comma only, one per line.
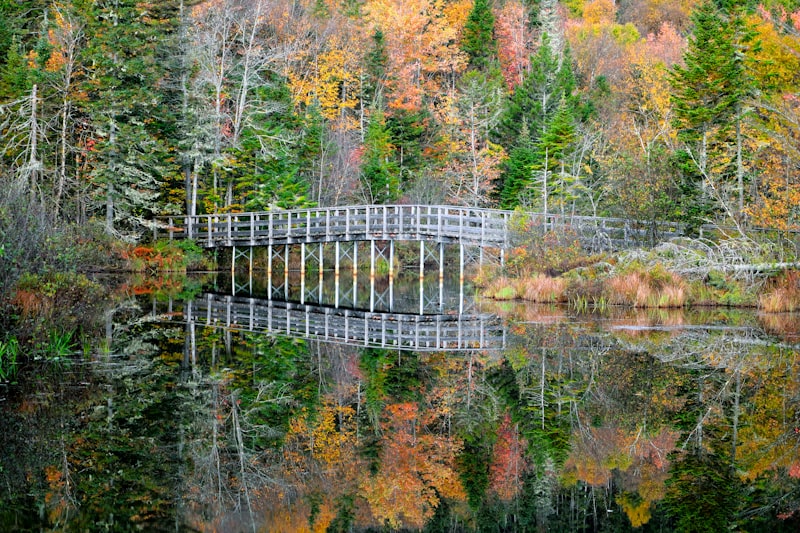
(402,331)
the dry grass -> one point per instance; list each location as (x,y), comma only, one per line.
(784,297)
(501,288)
(542,289)
(783,325)
(31,303)
(655,288)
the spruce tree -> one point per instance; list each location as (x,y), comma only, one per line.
(128,108)
(478,38)
(379,173)
(552,159)
(537,97)
(376,69)
(518,170)
(708,95)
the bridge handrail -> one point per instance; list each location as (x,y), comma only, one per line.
(471,225)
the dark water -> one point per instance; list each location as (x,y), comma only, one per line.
(605,421)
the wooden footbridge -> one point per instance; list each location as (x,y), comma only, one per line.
(486,228)
(402,331)
(441,224)
(378,227)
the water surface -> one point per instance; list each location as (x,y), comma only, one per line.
(613,420)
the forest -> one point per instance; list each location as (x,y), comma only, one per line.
(113,112)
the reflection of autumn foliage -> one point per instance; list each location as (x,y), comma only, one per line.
(416,470)
(509,463)
(639,464)
(769,437)
(320,453)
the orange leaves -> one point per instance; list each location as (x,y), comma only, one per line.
(422,47)
(509,463)
(416,470)
(514,41)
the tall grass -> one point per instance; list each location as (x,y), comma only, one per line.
(542,289)
(784,296)
(655,287)
(8,359)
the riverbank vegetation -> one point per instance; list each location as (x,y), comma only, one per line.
(732,272)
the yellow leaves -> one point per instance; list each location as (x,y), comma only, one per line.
(775,61)
(600,12)
(332,83)
(638,512)
(329,438)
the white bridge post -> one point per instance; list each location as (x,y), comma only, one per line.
(302,273)
(371,276)
(441,275)
(336,275)
(269,272)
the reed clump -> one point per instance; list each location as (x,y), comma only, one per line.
(542,289)
(654,287)
(783,296)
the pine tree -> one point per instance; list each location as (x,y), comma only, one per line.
(518,170)
(552,159)
(376,69)
(546,90)
(478,40)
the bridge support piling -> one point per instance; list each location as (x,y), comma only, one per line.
(286,265)
(355,260)
(371,276)
(336,275)
(421,295)
(269,272)
(461,264)
(321,268)
(421,260)
(441,275)
(302,273)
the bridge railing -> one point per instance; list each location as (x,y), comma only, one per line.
(484,227)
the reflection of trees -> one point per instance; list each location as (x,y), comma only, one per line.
(221,430)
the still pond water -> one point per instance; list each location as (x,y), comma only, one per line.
(515,418)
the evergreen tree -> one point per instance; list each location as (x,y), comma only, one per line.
(410,133)
(379,173)
(708,96)
(128,107)
(376,69)
(266,166)
(552,159)
(537,97)
(546,90)
(478,39)
(518,170)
